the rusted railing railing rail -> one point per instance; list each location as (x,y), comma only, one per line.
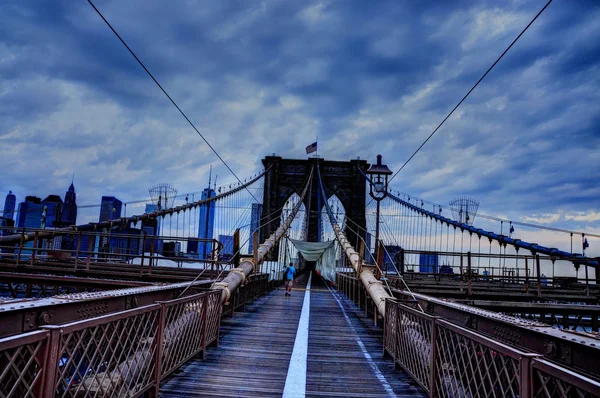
(22,364)
(126,353)
(551,380)
(256,285)
(449,360)
(106,247)
(354,289)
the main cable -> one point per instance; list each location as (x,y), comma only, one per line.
(472,88)
(168,96)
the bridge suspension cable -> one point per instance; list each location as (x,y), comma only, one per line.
(495,218)
(501,239)
(166,94)
(238,275)
(373,286)
(471,90)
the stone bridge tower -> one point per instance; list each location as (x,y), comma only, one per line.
(287,176)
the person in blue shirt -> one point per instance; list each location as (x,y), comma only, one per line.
(289,274)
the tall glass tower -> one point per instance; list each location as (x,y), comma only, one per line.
(9,205)
(70,206)
(30,213)
(110,208)
(206,224)
(254,224)
(54,207)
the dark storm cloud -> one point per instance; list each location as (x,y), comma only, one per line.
(263,77)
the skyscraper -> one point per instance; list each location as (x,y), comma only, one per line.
(110,208)
(30,213)
(7,225)
(30,216)
(54,207)
(254,224)
(227,250)
(69,215)
(9,205)
(152,228)
(206,225)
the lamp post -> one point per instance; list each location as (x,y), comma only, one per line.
(378,185)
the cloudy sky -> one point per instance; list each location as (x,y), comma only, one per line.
(263,77)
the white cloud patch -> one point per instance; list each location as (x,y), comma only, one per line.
(313,14)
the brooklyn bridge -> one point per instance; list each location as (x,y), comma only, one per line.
(315,277)
(429,304)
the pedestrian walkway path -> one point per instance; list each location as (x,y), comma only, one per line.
(266,352)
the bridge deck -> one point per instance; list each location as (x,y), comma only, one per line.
(343,355)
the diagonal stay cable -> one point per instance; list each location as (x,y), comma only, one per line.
(472,88)
(167,94)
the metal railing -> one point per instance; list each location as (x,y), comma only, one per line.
(126,353)
(256,285)
(106,247)
(550,380)
(355,291)
(448,360)
(22,360)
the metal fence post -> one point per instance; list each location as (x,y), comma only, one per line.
(158,352)
(204,325)
(402,262)
(43,355)
(539,282)
(51,363)
(462,273)
(526,376)
(469,272)
(433,361)
(34,249)
(89,251)
(526,276)
(77,250)
(143,252)
(21,243)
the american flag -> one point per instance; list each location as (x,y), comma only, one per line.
(311,148)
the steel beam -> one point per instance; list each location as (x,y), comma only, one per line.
(24,315)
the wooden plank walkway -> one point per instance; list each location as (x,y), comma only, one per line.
(344,356)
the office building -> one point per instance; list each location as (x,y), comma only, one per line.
(110,208)
(428,263)
(152,228)
(227,249)
(30,213)
(206,224)
(255,216)
(53,206)
(9,206)
(69,216)
(6,226)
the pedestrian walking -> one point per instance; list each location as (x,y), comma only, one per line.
(289,274)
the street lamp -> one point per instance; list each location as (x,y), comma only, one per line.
(378,185)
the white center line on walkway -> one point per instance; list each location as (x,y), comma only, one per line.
(295,382)
(388,389)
